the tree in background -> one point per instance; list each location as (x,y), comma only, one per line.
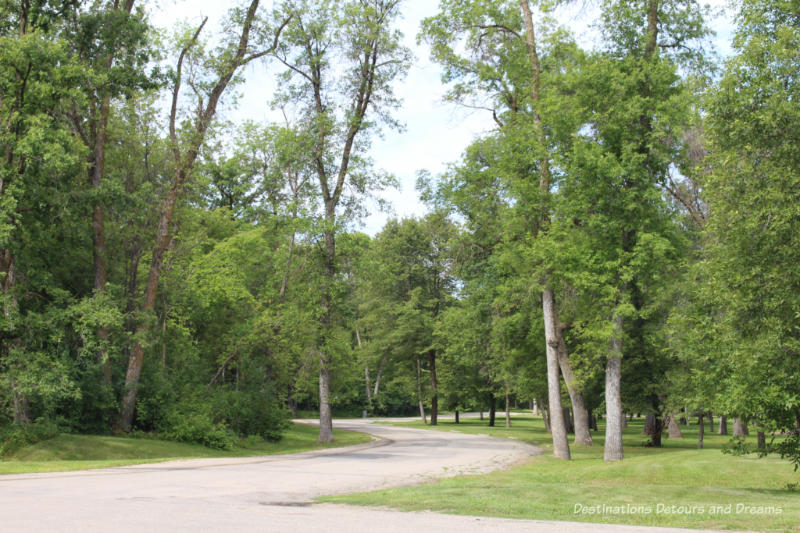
(341,60)
(749,273)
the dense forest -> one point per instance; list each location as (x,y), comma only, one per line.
(623,240)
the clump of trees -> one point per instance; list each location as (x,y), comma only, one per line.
(621,240)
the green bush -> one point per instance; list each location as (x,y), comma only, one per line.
(253,412)
(14,437)
(191,421)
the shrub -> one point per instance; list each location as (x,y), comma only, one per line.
(191,421)
(15,437)
(252,412)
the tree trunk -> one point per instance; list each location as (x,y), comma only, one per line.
(700,423)
(378,376)
(434,390)
(457,421)
(739,427)
(762,440)
(367,385)
(710,422)
(722,429)
(568,421)
(508,407)
(325,412)
(136,357)
(624,421)
(674,429)
(580,416)
(546,418)
(658,431)
(592,420)
(419,393)
(492,409)
(554,407)
(649,424)
(612,450)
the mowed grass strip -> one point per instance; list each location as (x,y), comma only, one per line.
(680,485)
(80,452)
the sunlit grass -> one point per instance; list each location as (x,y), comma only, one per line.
(676,475)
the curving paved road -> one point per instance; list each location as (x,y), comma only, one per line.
(268,493)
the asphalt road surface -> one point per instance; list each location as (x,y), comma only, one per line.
(272,493)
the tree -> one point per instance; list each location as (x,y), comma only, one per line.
(611,198)
(504,62)
(40,78)
(342,102)
(751,239)
(113,42)
(232,56)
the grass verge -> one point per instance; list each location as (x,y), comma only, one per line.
(677,485)
(81,452)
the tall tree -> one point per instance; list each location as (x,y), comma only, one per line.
(341,60)
(504,61)
(751,242)
(113,42)
(612,197)
(232,56)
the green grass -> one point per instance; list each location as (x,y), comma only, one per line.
(549,489)
(80,452)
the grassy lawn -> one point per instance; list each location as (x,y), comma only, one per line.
(676,475)
(81,452)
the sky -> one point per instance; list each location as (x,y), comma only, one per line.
(435,133)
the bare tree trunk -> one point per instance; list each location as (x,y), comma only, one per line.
(434,390)
(378,375)
(554,407)
(546,418)
(367,384)
(457,421)
(624,421)
(579,414)
(674,429)
(710,422)
(508,407)
(722,429)
(492,409)
(701,431)
(325,412)
(739,427)
(419,393)
(762,440)
(568,421)
(612,450)
(649,424)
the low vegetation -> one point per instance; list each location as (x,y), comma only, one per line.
(680,485)
(80,452)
